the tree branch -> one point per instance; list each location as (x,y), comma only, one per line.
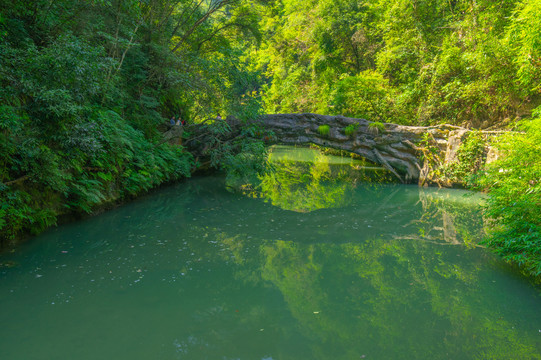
(180,18)
(16,181)
(218,5)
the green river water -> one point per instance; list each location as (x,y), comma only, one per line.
(314,263)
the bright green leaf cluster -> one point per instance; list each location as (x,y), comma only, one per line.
(324,130)
(350,129)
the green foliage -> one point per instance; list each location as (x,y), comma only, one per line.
(100,161)
(514,186)
(246,166)
(243,158)
(364,96)
(439,61)
(84,87)
(324,129)
(463,169)
(524,33)
(430,157)
(19,212)
(470,158)
(350,129)
(377,127)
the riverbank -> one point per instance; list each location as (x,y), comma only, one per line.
(71,184)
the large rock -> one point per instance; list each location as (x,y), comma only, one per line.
(411,153)
(401,149)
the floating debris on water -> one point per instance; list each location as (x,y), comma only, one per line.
(8,264)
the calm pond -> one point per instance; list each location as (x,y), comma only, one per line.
(314,263)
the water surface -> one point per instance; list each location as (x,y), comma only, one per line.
(312,264)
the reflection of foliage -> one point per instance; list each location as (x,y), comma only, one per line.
(381,289)
(315,183)
(304,186)
(335,291)
(450,220)
(301,179)
(407,295)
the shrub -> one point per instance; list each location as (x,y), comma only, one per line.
(324,129)
(376,127)
(350,129)
(470,158)
(366,95)
(514,186)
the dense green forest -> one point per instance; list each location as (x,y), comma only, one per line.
(86,85)
(470,63)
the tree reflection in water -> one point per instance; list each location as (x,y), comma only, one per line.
(305,180)
(313,264)
(415,288)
